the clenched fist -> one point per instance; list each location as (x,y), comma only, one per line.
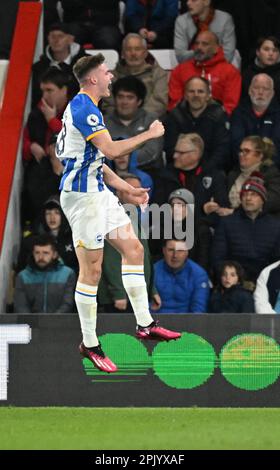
(156,129)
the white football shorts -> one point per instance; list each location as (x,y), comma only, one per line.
(92,216)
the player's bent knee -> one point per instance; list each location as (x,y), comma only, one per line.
(91,271)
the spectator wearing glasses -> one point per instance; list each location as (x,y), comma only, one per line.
(258,114)
(255,162)
(187,171)
(198,112)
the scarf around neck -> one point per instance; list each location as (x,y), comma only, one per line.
(203,25)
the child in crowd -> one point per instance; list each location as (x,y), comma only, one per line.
(230,296)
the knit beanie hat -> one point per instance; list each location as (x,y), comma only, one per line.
(255,183)
(183,194)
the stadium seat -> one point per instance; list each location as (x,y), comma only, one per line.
(165,57)
(122,10)
(237,60)
(111,56)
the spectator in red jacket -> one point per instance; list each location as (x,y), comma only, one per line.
(45,119)
(208,62)
(42,168)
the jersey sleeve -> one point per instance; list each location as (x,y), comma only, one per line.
(88,120)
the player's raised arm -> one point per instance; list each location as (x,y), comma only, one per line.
(133,195)
(113,149)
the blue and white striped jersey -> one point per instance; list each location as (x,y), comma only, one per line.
(83,162)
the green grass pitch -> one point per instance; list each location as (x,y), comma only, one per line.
(139,428)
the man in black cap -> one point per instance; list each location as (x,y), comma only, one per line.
(61,52)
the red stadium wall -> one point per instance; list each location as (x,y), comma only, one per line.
(17,83)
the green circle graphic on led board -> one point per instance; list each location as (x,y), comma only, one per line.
(131,357)
(250,361)
(186,363)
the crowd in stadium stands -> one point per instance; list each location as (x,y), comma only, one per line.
(129,118)
(217,168)
(198,112)
(45,285)
(208,62)
(137,61)
(111,293)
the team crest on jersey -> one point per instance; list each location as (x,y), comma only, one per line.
(92,120)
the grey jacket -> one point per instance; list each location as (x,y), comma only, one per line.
(222,25)
(149,155)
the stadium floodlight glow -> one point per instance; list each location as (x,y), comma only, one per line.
(10,334)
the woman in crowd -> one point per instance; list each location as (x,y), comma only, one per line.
(255,160)
(267,61)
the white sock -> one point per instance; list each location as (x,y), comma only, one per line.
(85,297)
(135,285)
